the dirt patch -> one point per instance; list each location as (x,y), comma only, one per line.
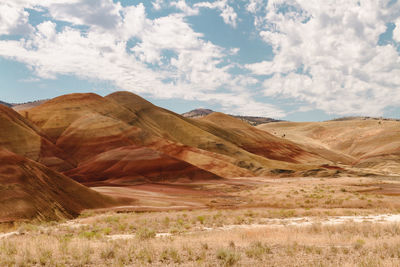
(384,189)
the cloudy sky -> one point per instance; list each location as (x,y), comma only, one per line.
(289,59)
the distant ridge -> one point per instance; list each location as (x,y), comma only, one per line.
(351,118)
(252,120)
(5,104)
(23,106)
(197,113)
(27,105)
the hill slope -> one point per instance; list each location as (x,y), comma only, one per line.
(264,144)
(130,165)
(176,128)
(86,125)
(22,137)
(369,142)
(30,190)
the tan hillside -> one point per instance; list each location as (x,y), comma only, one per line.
(56,115)
(30,190)
(264,144)
(22,137)
(132,165)
(94,133)
(84,125)
(177,128)
(368,142)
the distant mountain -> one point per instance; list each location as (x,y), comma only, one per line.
(352,118)
(5,104)
(197,113)
(23,106)
(27,105)
(254,121)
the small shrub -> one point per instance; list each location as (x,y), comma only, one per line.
(108,253)
(228,257)
(145,255)
(257,250)
(45,256)
(201,219)
(145,233)
(89,234)
(112,219)
(359,244)
(107,231)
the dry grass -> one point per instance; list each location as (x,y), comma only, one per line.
(361,244)
(91,239)
(329,194)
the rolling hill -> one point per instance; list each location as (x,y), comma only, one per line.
(30,190)
(132,165)
(84,125)
(370,143)
(22,137)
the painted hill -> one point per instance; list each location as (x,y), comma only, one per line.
(56,115)
(22,137)
(94,134)
(176,128)
(131,165)
(30,190)
(371,143)
(201,112)
(267,145)
(86,125)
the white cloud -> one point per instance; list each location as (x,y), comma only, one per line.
(47,29)
(157,4)
(228,14)
(396,31)
(327,54)
(194,68)
(13,19)
(98,13)
(255,5)
(187,10)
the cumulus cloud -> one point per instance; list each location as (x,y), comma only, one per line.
(13,19)
(327,54)
(396,31)
(228,14)
(187,10)
(163,57)
(157,4)
(103,13)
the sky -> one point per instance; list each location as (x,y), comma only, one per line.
(300,60)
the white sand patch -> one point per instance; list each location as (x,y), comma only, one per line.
(10,234)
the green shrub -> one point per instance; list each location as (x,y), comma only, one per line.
(145,233)
(228,257)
